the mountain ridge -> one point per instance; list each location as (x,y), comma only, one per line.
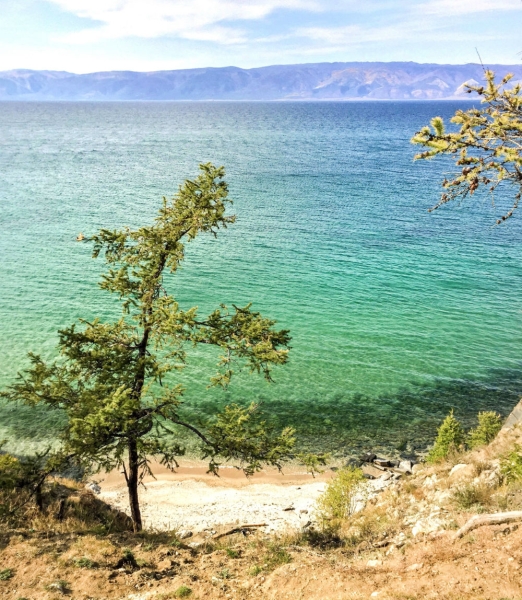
(309,81)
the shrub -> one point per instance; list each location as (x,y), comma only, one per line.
(183,592)
(511,465)
(326,537)
(450,439)
(6,574)
(85,563)
(489,424)
(471,496)
(340,497)
(9,471)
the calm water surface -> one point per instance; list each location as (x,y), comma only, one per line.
(397,315)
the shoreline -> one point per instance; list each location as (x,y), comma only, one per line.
(196,503)
(192,500)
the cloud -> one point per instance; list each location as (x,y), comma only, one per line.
(449,8)
(409,25)
(350,34)
(189,19)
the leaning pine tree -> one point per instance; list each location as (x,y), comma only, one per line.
(114,381)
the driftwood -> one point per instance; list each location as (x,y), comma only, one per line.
(238,529)
(494,519)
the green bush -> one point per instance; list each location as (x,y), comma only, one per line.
(511,465)
(340,497)
(489,424)
(450,439)
(183,592)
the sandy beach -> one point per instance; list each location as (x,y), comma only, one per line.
(191,499)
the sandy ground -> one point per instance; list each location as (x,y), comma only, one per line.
(191,499)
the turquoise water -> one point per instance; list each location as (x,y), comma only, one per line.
(397,315)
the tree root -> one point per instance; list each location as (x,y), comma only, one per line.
(494,519)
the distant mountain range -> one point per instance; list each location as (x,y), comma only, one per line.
(321,81)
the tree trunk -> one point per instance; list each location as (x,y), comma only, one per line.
(132,485)
(38,496)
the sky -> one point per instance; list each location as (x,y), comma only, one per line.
(84,36)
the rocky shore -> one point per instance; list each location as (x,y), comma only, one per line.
(191,500)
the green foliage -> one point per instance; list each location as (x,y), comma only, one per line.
(275,555)
(10,472)
(340,497)
(86,563)
(115,381)
(489,424)
(488,143)
(6,574)
(231,553)
(183,592)
(22,479)
(511,465)
(450,439)
(128,556)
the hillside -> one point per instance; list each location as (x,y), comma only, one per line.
(321,81)
(403,545)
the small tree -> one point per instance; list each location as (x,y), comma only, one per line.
(115,380)
(488,143)
(340,498)
(489,424)
(26,476)
(450,439)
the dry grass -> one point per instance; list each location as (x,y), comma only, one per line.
(470,496)
(82,512)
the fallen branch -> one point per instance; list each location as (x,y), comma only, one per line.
(494,519)
(238,529)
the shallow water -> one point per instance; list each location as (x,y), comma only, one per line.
(397,315)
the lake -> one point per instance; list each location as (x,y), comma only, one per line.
(396,315)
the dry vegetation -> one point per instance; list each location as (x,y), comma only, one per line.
(401,546)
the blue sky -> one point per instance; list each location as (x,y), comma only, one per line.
(97,35)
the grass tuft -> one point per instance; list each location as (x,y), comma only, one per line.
(231,553)
(471,496)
